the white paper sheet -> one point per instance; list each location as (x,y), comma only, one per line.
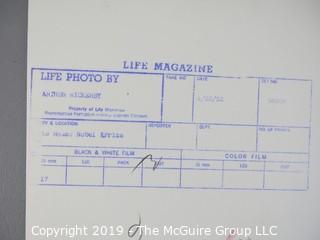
(173,120)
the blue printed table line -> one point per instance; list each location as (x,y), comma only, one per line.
(263,127)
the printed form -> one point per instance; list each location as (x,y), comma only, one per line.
(173,120)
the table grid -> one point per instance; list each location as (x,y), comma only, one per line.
(224,175)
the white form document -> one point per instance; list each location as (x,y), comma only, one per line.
(173,120)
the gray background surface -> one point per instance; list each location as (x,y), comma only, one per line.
(13,59)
